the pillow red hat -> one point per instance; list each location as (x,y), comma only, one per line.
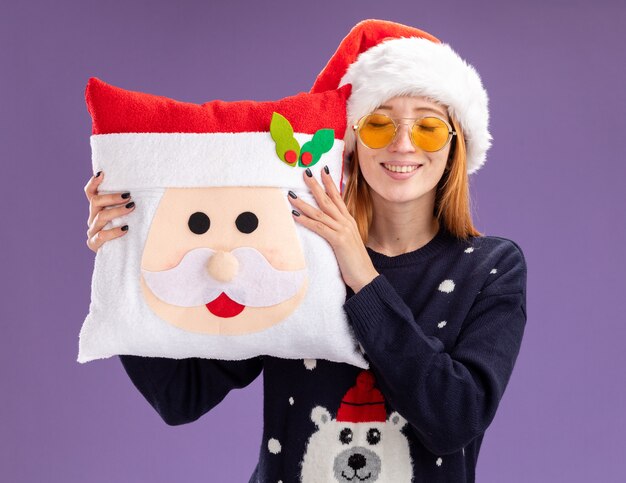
(155,141)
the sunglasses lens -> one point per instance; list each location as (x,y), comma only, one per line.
(430,134)
(376,130)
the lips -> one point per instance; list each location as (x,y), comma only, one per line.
(223,306)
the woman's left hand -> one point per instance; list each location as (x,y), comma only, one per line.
(333,222)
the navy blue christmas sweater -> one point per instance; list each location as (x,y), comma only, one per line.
(441,327)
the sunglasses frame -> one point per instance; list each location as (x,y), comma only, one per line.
(356,128)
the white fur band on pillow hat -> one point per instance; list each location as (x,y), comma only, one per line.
(384,59)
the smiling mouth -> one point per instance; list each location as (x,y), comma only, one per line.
(360,478)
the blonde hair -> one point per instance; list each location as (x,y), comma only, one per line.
(452,199)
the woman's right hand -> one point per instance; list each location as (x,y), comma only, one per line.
(120,204)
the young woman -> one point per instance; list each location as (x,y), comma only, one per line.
(438,308)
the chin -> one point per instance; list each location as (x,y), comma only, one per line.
(403,192)
(401,196)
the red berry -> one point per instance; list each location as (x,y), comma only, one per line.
(291,156)
(306,158)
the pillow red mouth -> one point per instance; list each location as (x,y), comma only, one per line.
(223,306)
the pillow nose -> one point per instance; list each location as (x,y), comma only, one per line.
(223,266)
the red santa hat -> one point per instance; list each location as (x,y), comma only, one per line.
(363,402)
(144,141)
(383,59)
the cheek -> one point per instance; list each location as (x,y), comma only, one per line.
(367,164)
(438,161)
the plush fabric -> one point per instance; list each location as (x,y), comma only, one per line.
(213,264)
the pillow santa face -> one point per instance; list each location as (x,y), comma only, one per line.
(225,268)
(213,264)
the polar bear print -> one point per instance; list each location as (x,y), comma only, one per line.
(357,447)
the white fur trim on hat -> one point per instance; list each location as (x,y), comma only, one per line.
(417,66)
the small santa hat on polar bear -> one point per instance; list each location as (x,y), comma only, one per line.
(360,442)
(363,402)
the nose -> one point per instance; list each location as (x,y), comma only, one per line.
(402,142)
(357,461)
(223,266)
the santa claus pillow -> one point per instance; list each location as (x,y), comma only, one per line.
(213,264)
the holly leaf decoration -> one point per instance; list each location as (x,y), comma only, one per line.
(287,147)
(312,151)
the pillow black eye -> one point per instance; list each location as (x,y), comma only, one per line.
(247,222)
(345,436)
(199,223)
(373,436)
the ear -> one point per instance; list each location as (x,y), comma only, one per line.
(396,420)
(320,416)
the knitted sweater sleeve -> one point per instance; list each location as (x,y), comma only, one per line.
(182,390)
(448,397)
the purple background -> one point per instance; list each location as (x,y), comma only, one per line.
(554,182)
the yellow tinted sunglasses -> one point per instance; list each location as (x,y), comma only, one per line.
(430,133)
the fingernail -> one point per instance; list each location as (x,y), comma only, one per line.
(126,196)
(308,173)
(130,205)
(295,213)
(98,173)
(292,194)
(125,228)
(326,170)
